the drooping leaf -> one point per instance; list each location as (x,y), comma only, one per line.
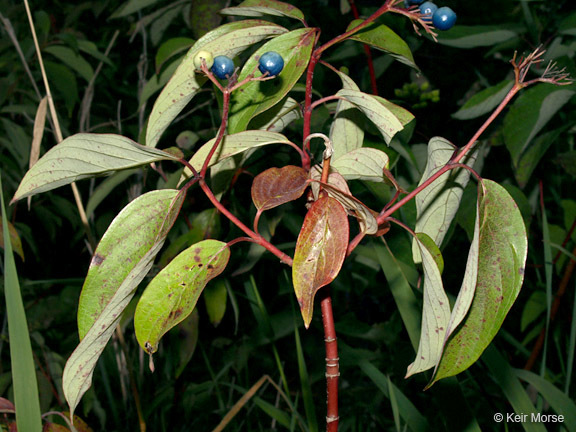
(346,132)
(23,372)
(256,97)
(383,38)
(362,164)
(122,259)
(83,156)
(366,216)
(320,251)
(277,186)
(501,259)
(484,102)
(232,145)
(172,294)
(228,39)
(335,179)
(437,205)
(530,113)
(257,8)
(477,36)
(435,313)
(384,119)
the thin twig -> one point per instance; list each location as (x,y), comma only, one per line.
(57,130)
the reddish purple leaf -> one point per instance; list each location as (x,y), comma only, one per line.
(277,186)
(320,251)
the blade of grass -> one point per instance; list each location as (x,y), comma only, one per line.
(308,398)
(409,413)
(505,377)
(263,319)
(394,404)
(26,401)
(407,303)
(560,402)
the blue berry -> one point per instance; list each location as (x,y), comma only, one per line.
(223,67)
(427,9)
(271,62)
(444,18)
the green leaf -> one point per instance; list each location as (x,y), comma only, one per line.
(187,340)
(277,118)
(215,296)
(277,186)
(24,383)
(568,162)
(529,114)
(568,25)
(204,15)
(83,156)
(256,97)
(362,164)
(501,259)
(230,40)
(257,8)
(437,205)
(105,188)
(232,145)
(385,120)
(132,6)
(172,294)
(346,132)
(122,259)
(71,59)
(170,48)
(531,157)
(383,38)
(320,251)
(484,102)
(477,36)
(435,313)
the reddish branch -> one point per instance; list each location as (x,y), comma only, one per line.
(332,362)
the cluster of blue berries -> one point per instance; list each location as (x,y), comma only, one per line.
(442,18)
(223,67)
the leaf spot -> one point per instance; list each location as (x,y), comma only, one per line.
(97,259)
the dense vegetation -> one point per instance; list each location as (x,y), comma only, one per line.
(107,61)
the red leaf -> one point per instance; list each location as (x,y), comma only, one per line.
(320,251)
(277,186)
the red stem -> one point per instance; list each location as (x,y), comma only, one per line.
(254,236)
(332,362)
